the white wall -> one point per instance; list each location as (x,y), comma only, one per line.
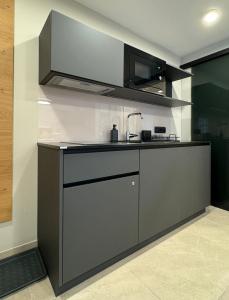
(30,16)
(73,116)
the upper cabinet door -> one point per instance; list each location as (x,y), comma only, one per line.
(79,50)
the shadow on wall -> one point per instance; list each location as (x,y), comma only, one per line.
(22,229)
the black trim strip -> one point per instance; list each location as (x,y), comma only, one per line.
(66,185)
(205,58)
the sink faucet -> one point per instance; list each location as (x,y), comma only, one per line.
(128,134)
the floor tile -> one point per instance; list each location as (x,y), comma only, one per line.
(190,263)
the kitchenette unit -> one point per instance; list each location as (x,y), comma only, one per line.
(99,202)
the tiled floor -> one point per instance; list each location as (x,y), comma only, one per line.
(189,263)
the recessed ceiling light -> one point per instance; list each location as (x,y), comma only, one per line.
(211,17)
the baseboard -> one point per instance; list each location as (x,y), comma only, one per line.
(18,249)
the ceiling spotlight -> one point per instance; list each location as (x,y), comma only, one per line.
(211,17)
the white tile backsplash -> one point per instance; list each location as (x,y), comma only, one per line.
(73,116)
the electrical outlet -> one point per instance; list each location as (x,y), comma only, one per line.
(159,129)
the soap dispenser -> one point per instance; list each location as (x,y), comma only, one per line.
(114,134)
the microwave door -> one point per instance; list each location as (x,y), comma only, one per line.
(147,79)
(144,72)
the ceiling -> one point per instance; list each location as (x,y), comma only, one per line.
(174,24)
(220,75)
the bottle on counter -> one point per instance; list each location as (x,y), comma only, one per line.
(114,134)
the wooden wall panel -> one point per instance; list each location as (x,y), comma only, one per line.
(6,107)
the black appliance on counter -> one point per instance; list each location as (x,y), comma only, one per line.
(143,71)
(146,136)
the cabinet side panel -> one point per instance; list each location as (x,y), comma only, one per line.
(50,212)
(45,50)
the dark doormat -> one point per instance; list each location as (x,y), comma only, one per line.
(18,271)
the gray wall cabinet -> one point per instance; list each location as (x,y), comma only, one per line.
(95,208)
(70,47)
(174,184)
(75,56)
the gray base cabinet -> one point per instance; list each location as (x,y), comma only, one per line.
(100,221)
(174,184)
(95,208)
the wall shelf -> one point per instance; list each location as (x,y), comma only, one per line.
(140,96)
(173,73)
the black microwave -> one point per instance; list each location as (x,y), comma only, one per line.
(143,71)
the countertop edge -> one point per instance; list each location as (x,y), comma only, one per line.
(117,147)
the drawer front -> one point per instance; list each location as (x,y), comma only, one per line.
(100,221)
(85,166)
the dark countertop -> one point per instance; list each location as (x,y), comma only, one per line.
(107,146)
